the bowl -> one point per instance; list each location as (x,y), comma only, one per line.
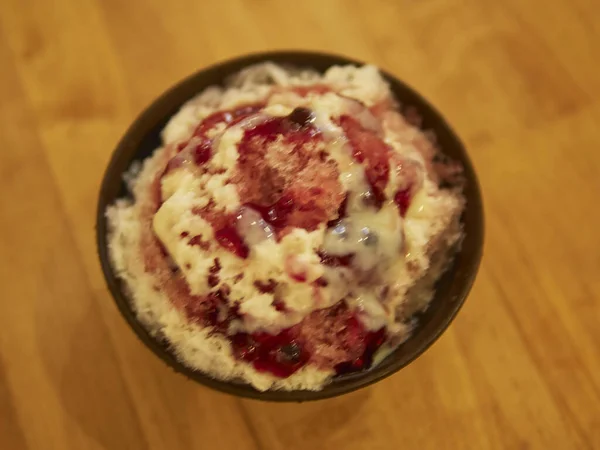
(143,137)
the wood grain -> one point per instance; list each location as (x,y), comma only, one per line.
(520,367)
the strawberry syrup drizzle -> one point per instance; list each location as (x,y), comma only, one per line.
(286,352)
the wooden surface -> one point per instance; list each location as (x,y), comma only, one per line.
(519,368)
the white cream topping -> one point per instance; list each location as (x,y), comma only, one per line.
(374,238)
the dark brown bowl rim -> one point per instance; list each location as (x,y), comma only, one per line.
(459,279)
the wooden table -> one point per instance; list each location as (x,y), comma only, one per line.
(519,368)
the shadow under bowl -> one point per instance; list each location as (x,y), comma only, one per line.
(143,137)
